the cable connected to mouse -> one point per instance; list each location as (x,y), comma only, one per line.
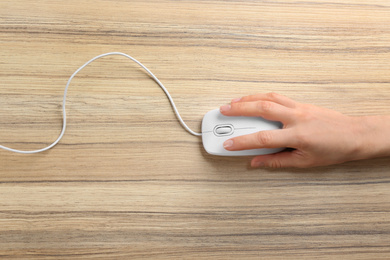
(64,102)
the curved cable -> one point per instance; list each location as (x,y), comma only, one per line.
(64,102)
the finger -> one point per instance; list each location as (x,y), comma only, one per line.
(284,159)
(266,109)
(262,139)
(274,97)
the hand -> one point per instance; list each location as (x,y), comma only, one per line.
(316,136)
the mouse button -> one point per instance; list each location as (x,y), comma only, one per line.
(212,144)
(209,121)
(223,130)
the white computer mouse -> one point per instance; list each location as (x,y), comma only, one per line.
(217,128)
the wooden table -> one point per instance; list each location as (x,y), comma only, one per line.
(127,181)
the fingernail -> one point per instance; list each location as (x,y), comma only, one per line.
(236,100)
(228,144)
(225,108)
(258,164)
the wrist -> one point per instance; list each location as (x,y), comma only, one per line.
(373,136)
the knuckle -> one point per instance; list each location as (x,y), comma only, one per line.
(264,106)
(246,98)
(263,139)
(275,164)
(273,95)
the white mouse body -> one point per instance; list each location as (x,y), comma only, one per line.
(217,128)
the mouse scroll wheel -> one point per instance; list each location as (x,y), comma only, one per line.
(222,130)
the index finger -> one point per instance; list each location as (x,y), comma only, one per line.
(266,109)
(273,97)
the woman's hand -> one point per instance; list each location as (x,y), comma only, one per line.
(316,136)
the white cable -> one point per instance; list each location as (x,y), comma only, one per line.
(66,90)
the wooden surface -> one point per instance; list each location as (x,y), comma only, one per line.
(128,182)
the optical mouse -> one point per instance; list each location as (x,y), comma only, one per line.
(217,128)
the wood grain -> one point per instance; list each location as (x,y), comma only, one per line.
(127,182)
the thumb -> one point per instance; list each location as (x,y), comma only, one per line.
(280,160)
